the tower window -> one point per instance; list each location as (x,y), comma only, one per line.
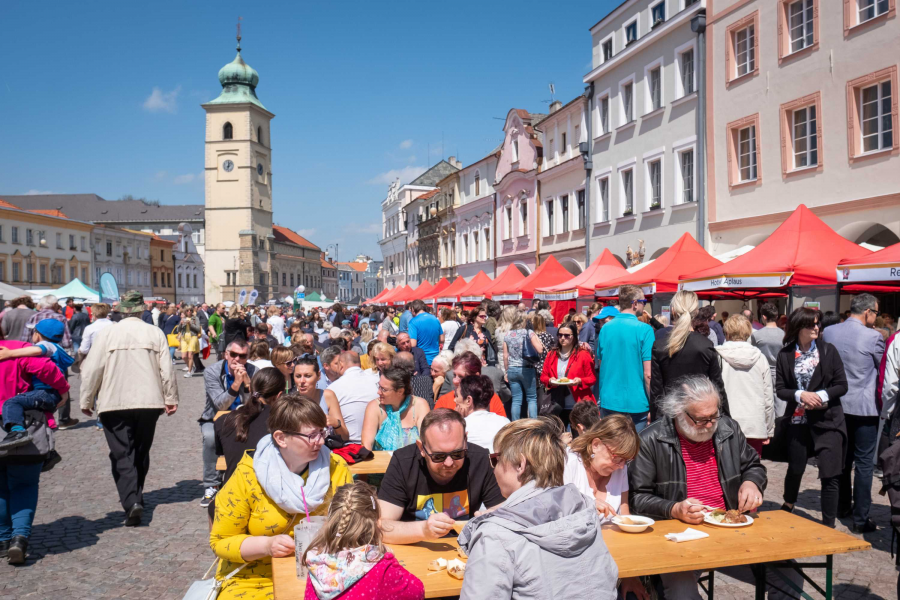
(259,135)
(227,132)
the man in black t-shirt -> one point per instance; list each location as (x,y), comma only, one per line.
(439,480)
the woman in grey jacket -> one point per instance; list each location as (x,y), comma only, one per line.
(544,542)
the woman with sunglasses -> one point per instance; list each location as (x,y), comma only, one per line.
(289,475)
(576,364)
(283,359)
(395,418)
(809,376)
(545,540)
(476,330)
(305,377)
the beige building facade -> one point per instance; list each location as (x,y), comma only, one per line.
(803,108)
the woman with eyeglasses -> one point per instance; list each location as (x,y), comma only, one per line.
(395,418)
(574,366)
(305,379)
(476,330)
(545,540)
(683,351)
(273,486)
(809,376)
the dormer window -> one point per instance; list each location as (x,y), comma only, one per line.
(631,32)
(658,14)
(227,132)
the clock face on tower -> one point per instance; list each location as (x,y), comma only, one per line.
(228,166)
(259,169)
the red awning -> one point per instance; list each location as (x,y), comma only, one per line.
(604,269)
(878,267)
(412,294)
(474,290)
(396,293)
(377,298)
(423,290)
(802,251)
(661,275)
(505,283)
(439,287)
(450,294)
(550,272)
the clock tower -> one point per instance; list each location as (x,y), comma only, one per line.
(239,240)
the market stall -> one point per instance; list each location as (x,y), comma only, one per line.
(449,295)
(580,289)
(473,293)
(505,283)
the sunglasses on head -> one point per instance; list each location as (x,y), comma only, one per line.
(440,457)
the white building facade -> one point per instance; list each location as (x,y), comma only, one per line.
(475,229)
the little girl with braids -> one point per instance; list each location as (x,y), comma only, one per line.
(347,559)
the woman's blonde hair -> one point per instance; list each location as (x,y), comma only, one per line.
(508,319)
(737,328)
(234,311)
(616,431)
(536,440)
(365,334)
(352,521)
(684,307)
(383,349)
(281,356)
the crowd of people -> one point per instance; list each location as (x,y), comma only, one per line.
(532,432)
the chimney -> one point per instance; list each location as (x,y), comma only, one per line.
(452,160)
(555,106)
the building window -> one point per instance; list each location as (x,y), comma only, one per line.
(580,200)
(43,271)
(803,132)
(16,267)
(686,72)
(564,210)
(869,9)
(259,135)
(800,15)
(29,237)
(631,32)
(657,14)
(476,256)
(627,103)
(747,154)
(603,105)
(72,245)
(523,213)
(1,233)
(83,244)
(29,272)
(465,248)
(607,49)
(179,281)
(109,247)
(477,185)
(156,280)
(59,245)
(73,273)
(15,235)
(487,243)
(515,149)
(603,199)
(654,89)
(564,145)
(876,124)
(686,164)
(227,132)
(551,229)
(627,192)
(744,51)
(195,281)
(654,183)
(509,223)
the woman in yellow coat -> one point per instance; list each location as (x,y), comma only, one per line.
(258,507)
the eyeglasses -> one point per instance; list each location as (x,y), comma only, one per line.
(616,459)
(314,437)
(703,421)
(238,355)
(641,301)
(439,457)
(384,390)
(494,458)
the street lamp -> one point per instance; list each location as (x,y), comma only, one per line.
(336,250)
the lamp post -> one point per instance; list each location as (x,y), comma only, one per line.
(299,295)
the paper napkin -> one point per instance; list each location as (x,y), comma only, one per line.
(687,535)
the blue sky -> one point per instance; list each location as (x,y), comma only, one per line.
(105,97)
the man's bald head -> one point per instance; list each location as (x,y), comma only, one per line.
(350,359)
(404,360)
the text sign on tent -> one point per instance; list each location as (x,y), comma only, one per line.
(503,297)
(868,273)
(648,290)
(756,280)
(564,295)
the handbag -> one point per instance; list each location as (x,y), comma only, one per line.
(777,449)
(208,589)
(530,355)
(173,340)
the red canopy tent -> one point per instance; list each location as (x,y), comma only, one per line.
(395,293)
(506,282)
(882,267)
(438,288)
(551,272)
(803,251)
(661,276)
(450,294)
(424,288)
(604,269)
(474,290)
(376,299)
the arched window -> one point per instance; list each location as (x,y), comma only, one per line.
(477,184)
(259,135)
(227,131)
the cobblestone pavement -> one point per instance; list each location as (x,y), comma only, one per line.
(81,550)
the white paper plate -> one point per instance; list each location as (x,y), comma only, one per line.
(709,521)
(558,382)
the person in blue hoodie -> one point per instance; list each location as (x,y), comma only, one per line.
(47,336)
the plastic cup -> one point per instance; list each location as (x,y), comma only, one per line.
(304,532)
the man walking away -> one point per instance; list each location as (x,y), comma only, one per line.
(861,349)
(215,326)
(77,325)
(425,332)
(131,376)
(624,350)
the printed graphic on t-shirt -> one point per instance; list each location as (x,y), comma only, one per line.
(453,504)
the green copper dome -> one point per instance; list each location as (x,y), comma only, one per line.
(239,81)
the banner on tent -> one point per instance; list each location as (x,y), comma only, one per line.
(506,297)
(242,297)
(448,299)
(866,273)
(753,280)
(471,298)
(563,295)
(648,290)
(109,289)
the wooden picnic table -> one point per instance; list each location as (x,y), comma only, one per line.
(775,536)
(379,464)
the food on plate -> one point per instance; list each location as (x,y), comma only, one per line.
(734,516)
(438,564)
(717,515)
(563,380)
(456,568)
(626,521)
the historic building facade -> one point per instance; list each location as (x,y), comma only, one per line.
(126,254)
(473,226)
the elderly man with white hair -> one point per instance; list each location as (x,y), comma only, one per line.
(695,456)
(48,308)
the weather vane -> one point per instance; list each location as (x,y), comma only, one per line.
(239,32)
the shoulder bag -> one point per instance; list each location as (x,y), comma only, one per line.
(208,589)
(530,355)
